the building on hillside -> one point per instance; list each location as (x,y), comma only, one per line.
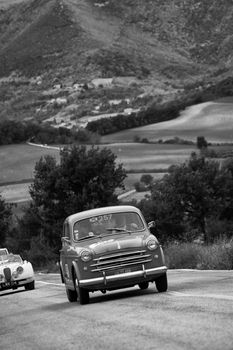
(102,82)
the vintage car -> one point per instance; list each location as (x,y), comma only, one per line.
(15,273)
(109,248)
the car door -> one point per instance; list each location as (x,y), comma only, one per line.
(64,252)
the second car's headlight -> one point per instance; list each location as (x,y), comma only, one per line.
(19,270)
(152,244)
(86,255)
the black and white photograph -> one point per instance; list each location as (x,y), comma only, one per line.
(116,174)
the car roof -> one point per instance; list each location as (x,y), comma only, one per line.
(100,211)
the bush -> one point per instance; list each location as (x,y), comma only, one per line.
(215,256)
(140,187)
(181,255)
(218,228)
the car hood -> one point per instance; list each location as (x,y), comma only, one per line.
(115,243)
(12,266)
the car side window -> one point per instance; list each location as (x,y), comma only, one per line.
(82,229)
(66,230)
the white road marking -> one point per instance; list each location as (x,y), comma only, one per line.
(54,284)
(214,296)
(48,274)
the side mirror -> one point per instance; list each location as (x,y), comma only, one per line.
(152,227)
(65,240)
(151,224)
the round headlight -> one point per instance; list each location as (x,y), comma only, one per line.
(19,270)
(15,274)
(152,244)
(86,255)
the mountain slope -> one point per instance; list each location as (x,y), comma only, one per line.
(38,35)
(164,45)
(141,36)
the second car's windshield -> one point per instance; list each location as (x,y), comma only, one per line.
(107,224)
(10,258)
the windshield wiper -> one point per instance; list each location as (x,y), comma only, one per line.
(118,229)
(87,237)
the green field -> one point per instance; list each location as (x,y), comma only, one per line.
(213,120)
(18,161)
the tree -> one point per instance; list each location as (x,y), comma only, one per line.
(85,178)
(5,220)
(189,195)
(147,179)
(201,143)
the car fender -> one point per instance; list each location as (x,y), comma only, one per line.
(61,272)
(76,269)
(28,268)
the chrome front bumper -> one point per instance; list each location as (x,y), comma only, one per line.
(105,280)
(15,283)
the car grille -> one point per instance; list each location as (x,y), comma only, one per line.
(7,273)
(120,260)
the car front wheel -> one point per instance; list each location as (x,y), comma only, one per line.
(83,294)
(161,283)
(30,286)
(71,295)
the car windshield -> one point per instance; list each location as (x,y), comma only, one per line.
(3,252)
(10,258)
(107,224)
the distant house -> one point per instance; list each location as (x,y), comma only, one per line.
(57,86)
(78,87)
(61,101)
(102,82)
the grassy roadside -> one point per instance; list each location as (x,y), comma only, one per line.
(216,256)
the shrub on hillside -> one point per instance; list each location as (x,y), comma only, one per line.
(17,132)
(140,187)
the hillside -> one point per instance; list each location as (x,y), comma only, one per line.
(52,50)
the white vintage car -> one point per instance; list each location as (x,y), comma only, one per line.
(15,273)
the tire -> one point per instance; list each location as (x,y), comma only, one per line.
(61,274)
(143,285)
(83,294)
(30,285)
(161,283)
(71,295)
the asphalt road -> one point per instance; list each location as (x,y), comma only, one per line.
(196,313)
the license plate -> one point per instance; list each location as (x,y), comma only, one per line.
(9,284)
(122,271)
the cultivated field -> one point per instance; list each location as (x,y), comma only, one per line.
(213,120)
(18,161)
(208,119)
